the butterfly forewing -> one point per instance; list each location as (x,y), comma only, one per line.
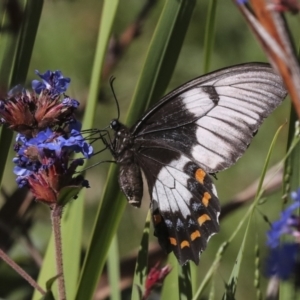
(212,118)
(202,127)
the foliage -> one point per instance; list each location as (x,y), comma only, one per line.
(152,47)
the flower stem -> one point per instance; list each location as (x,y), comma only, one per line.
(56,218)
(21,272)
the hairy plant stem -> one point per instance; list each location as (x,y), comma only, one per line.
(22,272)
(56,214)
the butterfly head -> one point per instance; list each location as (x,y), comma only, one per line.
(115,125)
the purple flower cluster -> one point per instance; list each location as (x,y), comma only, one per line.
(48,135)
(30,112)
(54,82)
(284,257)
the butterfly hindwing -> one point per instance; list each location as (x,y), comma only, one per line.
(184,204)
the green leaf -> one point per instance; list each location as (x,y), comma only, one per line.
(158,68)
(29,28)
(232,282)
(292,163)
(291,183)
(185,282)
(16,50)
(209,274)
(113,265)
(71,227)
(87,282)
(170,288)
(50,282)
(140,273)
(49,296)
(73,214)
(108,17)
(162,55)
(68,193)
(257,277)
(209,34)
(194,277)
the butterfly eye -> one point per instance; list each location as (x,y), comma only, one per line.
(115,125)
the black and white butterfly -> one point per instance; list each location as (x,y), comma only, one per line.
(198,129)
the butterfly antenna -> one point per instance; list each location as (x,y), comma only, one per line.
(111,82)
(96,164)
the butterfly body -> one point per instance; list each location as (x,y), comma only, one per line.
(200,128)
(130,176)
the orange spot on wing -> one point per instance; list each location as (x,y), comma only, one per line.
(202,219)
(200,175)
(206,198)
(184,244)
(195,235)
(173,241)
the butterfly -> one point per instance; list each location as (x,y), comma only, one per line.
(176,147)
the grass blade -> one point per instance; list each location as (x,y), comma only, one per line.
(16,55)
(113,270)
(232,282)
(209,35)
(185,282)
(159,64)
(141,268)
(170,288)
(73,214)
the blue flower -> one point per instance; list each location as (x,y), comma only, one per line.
(18,89)
(74,124)
(69,102)
(287,224)
(282,261)
(55,82)
(284,257)
(49,149)
(43,163)
(22,181)
(77,143)
(21,171)
(48,135)
(20,138)
(296,195)
(40,138)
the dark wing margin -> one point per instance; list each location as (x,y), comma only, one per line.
(184,203)
(212,119)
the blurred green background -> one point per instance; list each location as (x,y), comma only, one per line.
(66,41)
